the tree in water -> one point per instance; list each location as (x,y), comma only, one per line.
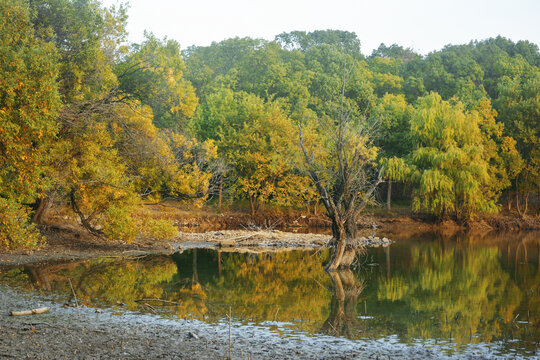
(341,163)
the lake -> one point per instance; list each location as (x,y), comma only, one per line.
(458,295)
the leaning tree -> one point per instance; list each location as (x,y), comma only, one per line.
(340,160)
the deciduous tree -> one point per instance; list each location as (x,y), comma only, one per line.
(29,102)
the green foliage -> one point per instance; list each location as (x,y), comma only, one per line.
(343,41)
(158,229)
(108,153)
(88,39)
(15,229)
(519,104)
(256,139)
(451,164)
(395,169)
(153,74)
(99,125)
(393,115)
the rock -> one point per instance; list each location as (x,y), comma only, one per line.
(227,243)
(191,335)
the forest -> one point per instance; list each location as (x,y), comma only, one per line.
(93,123)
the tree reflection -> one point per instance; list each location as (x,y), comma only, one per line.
(102,281)
(459,293)
(343,320)
(458,290)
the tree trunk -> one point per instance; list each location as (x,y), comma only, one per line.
(339,240)
(44,204)
(522,204)
(220,191)
(343,255)
(389,195)
(252,204)
(40,214)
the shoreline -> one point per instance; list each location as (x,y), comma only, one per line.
(66,240)
(387,222)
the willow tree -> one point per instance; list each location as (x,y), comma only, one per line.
(454,166)
(340,160)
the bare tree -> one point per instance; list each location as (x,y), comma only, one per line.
(343,171)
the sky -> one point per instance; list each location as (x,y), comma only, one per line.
(423,25)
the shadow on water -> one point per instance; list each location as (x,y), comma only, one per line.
(454,292)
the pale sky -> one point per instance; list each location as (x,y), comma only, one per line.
(424,25)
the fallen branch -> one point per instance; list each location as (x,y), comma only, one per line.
(161,300)
(30,312)
(150,307)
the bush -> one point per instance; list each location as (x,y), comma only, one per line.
(15,229)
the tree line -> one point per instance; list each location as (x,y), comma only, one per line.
(100,125)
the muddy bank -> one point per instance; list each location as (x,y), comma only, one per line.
(297,221)
(69,243)
(63,333)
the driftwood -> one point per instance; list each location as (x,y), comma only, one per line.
(160,300)
(30,312)
(150,307)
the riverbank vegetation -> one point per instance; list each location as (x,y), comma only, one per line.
(90,122)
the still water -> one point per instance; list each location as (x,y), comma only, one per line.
(450,292)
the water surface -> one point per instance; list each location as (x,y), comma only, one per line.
(450,293)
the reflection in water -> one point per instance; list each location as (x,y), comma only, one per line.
(343,320)
(99,282)
(457,291)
